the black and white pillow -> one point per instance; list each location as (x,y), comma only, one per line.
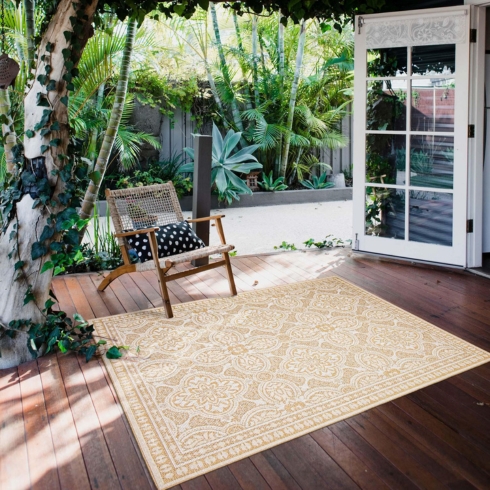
(172,239)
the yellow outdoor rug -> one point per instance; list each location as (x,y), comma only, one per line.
(229,377)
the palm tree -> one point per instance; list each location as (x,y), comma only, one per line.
(111,132)
(225,71)
(292,100)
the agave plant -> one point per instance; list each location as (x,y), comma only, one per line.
(271,185)
(317,182)
(226,164)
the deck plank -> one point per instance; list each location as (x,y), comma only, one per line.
(14,463)
(69,458)
(40,449)
(129,470)
(98,461)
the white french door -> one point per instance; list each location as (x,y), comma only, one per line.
(410,134)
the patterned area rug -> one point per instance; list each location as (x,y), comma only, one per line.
(230,377)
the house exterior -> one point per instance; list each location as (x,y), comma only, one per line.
(421,141)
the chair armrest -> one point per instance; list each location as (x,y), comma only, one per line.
(135,232)
(207,218)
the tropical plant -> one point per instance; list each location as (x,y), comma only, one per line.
(329,242)
(285,246)
(269,184)
(226,164)
(317,182)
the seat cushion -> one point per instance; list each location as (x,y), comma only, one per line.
(172,239)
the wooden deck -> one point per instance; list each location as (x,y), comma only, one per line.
(61,425)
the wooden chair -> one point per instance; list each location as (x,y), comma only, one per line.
(142,210)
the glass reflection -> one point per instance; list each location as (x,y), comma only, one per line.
(433,105)
(387,62)
(386,105)
(432,161)
(385,212)
(434,60)
(385,155)
(431,217)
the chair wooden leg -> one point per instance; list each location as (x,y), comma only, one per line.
(123,269)
(163,288)
(231,279)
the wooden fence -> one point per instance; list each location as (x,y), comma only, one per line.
(174,137)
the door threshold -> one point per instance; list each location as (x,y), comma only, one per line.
(409,261)
(480,272)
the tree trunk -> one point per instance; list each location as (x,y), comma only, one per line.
(248,101)
(281,70)
(30,222)
(113,126)
(292,98)
(29,6)
(10,138)
(92,148)
(255,60)
(224,69)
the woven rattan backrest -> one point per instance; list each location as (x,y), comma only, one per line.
(143,207)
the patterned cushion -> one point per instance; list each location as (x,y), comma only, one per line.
(172,239)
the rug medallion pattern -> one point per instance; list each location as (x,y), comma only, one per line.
(229,377)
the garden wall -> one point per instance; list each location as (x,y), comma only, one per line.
(177,134)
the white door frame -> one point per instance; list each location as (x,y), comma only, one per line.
(476,146)
(456,256)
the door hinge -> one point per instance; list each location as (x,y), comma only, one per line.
(469,226)
(472,35)
(360,23)
(471,130)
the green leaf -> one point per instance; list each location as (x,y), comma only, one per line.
(204,4)
(44,148)
(42,79)
(55,142)
(78,318)
(90,352)
(30,133)
(28,297)
(113,353)
(55,126)
(49,303)
(47,266)
(51,85)
(66,53)
(70,86)
(64,100)
(58,270)
(18,265)
(45,131)
(47,69)
(38,250)
(67,77)
(49,47)
(102,342)
(47,233)
(44,120)
(68,35)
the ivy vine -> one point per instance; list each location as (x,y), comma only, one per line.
(60,236)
